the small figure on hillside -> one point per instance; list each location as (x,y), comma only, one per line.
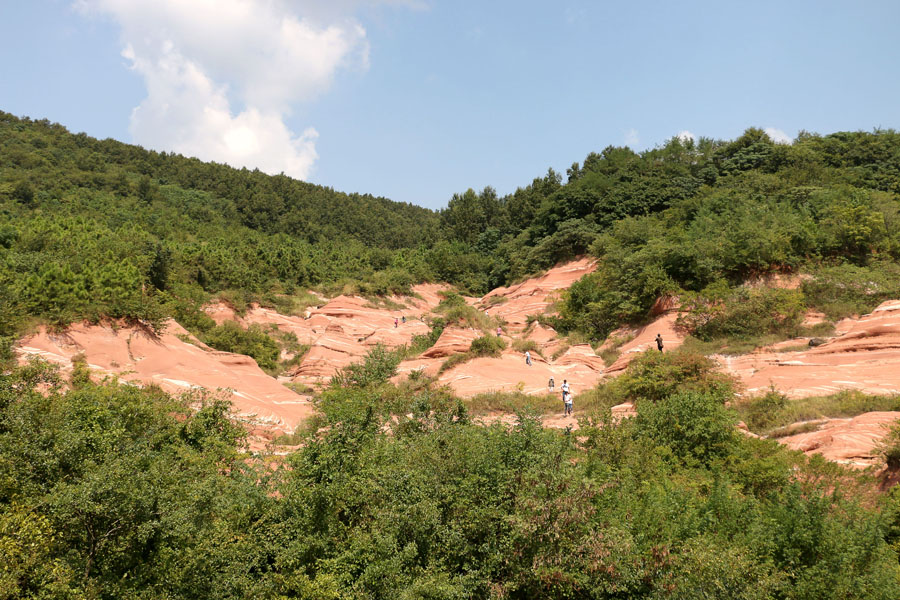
(528,358)
(565,393)
(567,402)
(499,331)
(396,322)
(403,319)
(551,384)
(659,342)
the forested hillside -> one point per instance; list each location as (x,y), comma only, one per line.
(394,491)
(99,228)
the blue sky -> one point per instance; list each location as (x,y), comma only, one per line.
(418,99)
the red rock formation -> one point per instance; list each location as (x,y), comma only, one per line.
(533,296)
(848,441)
(176,365)
(453,340)
(865,356)
(510,373)
(645,338)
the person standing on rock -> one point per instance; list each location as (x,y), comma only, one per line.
(567,402)
(499,331)
(565,395)
(659,342)
(528,358)
(550,385)
(396,322)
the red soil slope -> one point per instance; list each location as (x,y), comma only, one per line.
(176,366)
(848,441)
(533,296)
(865,356)
(343,329)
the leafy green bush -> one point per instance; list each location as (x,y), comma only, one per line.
(654,376)
(696,426)
(848,289)
(420,343)
(744,313)
(762,413)
(487,345)
(253,341)
(889,447)
(379,365)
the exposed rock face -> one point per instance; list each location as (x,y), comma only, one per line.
(645,339)
(176,366)
(848,441)
(342,330)
(533,296)
(509,373)
(865,356)
(453,340)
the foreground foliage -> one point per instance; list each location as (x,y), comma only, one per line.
(111,491)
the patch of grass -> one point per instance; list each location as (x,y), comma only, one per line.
(238,300)
(771,411)
(295,360)
(728,346)
(794,348)
(289,439)
(487,345)
(560,351)
(290,304)
(496,301)
(523,346)
(845,289)
(300,388)
(735,345)
(384,303)
(455,361)
(511,402)
(186,338)
(612,352)
(462,314)
(780,432)
(823,329)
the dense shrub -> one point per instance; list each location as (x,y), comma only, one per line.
(487,345)
(848,289)
(655,375)
(400,495)
(253,341)
(743,313)
(695,425)
(378,366)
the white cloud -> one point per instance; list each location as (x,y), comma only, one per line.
(632,139)
(686,136)
(222,75)
(778,136)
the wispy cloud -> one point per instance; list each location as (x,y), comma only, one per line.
(632,139)
(686,136)
(778,136)
(222,76)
